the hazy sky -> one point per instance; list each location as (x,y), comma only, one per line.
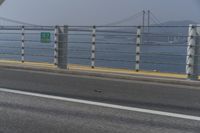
(85,12)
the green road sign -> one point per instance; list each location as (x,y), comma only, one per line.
(45,37)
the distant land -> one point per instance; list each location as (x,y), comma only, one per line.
(177,23)
(181,28)
(173,30)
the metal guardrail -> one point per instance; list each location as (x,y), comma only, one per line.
(161,48)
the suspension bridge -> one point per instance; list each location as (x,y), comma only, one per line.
(146,19)
(113,44)
(58,78)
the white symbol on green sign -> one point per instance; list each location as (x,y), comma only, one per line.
(45,37)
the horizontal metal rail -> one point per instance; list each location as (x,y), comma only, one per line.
(109,45)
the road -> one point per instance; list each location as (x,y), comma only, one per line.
(23,113)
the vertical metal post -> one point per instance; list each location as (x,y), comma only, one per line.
(149,13)
(143,21)
(56,46)
(23,45)
(148,26)
(62,46)
(93,56)
(138,52)
(192,52)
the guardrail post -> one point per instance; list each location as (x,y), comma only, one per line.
(56,46)
(138,52)
(62,47)
(93,56)
(23,45)
(192,54)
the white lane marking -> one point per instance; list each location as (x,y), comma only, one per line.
(140,110)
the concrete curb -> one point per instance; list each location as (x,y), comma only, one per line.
(76,72)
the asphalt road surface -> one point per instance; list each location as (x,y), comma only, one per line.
(23,113)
